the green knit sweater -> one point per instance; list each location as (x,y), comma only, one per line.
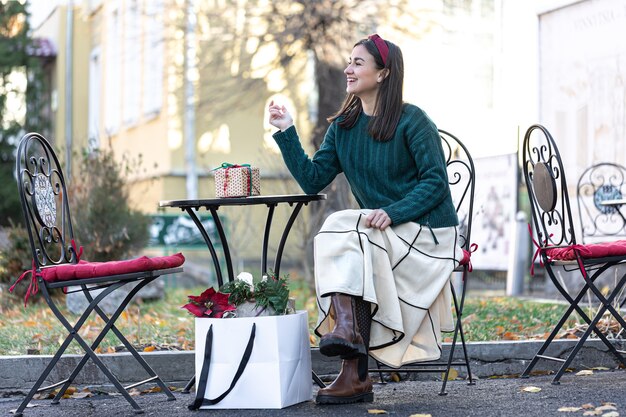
(405,176)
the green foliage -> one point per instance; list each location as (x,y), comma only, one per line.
(272,293)
(17,64)
(104,223)
(239,291)
(15,257)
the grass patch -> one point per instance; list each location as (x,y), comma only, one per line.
(506,318)
(163,325)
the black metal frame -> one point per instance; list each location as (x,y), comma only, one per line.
(601,182)
(213,204)
(552,220)
(461,178)
(42,190)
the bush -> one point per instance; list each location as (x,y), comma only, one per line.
(15,257)
(104,224)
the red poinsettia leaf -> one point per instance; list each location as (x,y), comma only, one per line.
(196,310)
(220,298)
(220,309)
(204,297)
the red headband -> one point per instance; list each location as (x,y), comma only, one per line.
(381,45)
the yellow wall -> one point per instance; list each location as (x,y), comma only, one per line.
(158,139)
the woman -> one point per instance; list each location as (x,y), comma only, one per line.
(381,271)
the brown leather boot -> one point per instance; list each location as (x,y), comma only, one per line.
(352,385)
(345,339)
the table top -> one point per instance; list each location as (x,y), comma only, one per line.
(617,202)
(242,201)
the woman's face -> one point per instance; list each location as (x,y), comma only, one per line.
(362,75)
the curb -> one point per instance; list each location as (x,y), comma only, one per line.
(487,359)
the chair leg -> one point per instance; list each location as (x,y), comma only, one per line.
(606,305)
(73,335)
(189,385)
(458,332)
(153,375)
(110,325)
(589,284)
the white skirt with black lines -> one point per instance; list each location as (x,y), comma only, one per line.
(402,271)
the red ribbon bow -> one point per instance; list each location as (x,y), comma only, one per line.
(33,287)
(467,256)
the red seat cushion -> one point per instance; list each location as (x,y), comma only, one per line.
(84,269)
(590,251)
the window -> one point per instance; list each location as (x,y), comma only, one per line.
(94,98)
(153,58)
(113,70)
(132,67)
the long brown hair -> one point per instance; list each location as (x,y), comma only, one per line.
(388,110)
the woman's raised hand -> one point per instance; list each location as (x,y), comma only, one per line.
(279,116)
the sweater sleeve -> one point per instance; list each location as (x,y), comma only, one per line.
(312,174)
(432,186)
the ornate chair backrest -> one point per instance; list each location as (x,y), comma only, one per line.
(547,189)
(603,181)
(461,178)
(44,200)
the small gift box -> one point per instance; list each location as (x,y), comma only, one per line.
(237,180)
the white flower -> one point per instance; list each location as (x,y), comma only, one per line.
(247,278)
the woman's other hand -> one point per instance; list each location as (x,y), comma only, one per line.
(279,116)
(378,219)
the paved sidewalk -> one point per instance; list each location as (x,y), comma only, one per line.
(489,397)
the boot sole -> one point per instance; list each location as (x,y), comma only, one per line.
(340,347)
(366,397)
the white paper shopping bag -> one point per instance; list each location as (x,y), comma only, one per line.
(253,362)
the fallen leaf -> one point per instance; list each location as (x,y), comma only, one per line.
(611,414)
(452,375)
(606,407)
(592,413)
(569,409)
(149,349)
(395,377)
(375,411)
(588,406)
(82,394)
(499,330)
(608,403)
(531,389)
(510,336)
(584,372)
(420,415)
(469,318)
(29,405)
(600,368)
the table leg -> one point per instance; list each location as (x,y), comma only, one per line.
(207,239)
(266,237)
(220,232)
(283,239)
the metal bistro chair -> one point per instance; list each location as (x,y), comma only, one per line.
(56,264)
(558,248)
(597,184)
(461,178)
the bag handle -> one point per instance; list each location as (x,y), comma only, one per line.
(206,364)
